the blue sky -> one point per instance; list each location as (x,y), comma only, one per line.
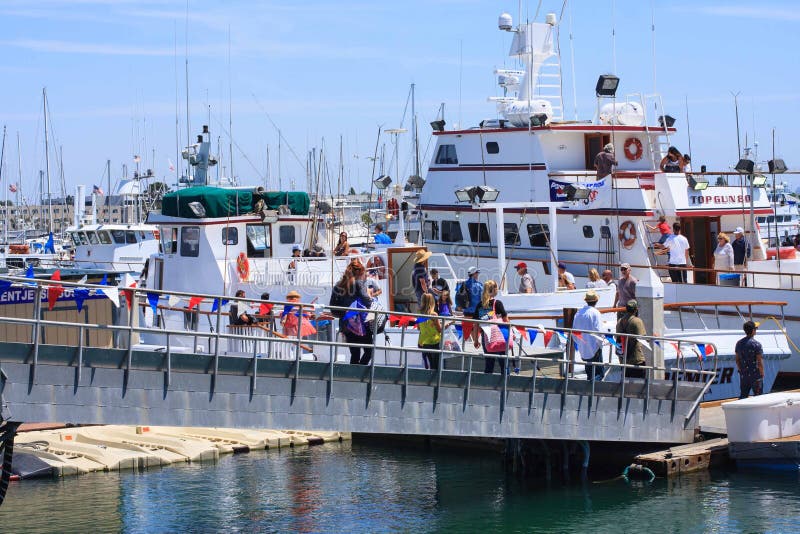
(321,70)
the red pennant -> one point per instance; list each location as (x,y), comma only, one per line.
(522,331)
(577,335)
(548,335)
(194,301)
(466,328)
(53,292)
(401,320)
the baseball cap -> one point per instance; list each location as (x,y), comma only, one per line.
(473,270)
(296,247)
(521,265)
(561,265)
(739,230)
(625,266)
(749,326)
(632,305)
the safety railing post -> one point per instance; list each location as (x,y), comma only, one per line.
(374,353)
(131,310)
(439,367)
(169,361)
(37,331)
(80,356)
(404,362)
(218,302)
(298,341)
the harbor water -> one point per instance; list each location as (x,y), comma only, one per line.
(359,487)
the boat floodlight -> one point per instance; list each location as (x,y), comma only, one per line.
(382,181)
(198,209)
(487,194)
(607,85)
(438,126)
(576,192)
(777,166)
(697,183)
(416,181)
(477,194)
(462,194)
(666,121)
(538,119)
(745,166)
(758,180)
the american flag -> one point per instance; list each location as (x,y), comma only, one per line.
(96,190)
(12,188)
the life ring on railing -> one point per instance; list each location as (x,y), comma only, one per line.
(631,153)
(627,234)
(243,266)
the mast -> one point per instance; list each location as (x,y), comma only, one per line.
(108,192)
(2,161)
(414,133)
(47,165)
(19,178)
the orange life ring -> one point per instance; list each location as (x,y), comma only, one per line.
(627,234)
(630,154)
(243,266)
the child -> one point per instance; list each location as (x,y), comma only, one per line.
(430,332)
(663,228)
(444,306)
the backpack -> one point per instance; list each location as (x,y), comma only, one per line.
(338,298)
(462,295)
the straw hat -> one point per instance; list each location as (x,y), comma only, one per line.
(422,255)
(591,296)
(293,294)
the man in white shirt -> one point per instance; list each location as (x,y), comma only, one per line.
(565,278)
(525,278)
(677,246)
(590,346)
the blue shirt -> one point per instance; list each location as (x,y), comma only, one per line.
(748,348)
(383,239)
(475,289)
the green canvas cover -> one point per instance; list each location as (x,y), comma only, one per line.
(218,202)
(298,201)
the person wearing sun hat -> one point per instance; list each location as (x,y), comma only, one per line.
(590,346)
(750,362)
(525,278)
(420,278)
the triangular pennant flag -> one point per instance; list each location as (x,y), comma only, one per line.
(612,341)
(522,332)
(709,349)
(466,327)
(702,351)
(645,344)
(152,299)
(112,293)
(286,309)
(505,331)
(532,335)
(459,330)
(5,285)
(194,301)
(577,335)
(215,305)
(421,320)
(83,280)
(173,300)
(80,294)
(676,347)
(53,292)
(29,272)
(548,335)
(104,281)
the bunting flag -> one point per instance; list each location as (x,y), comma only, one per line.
(104,281)
(53,292)
(709,349)
(286,309)
(128,282)
(459,330)
(194,301)
(645,344)
(5,285)
(173,300)
(577,335)
(112,293)
(215,306)
(80,294)
(548,335)
(532,335)
(677,348)
(152,299)
(466,327)
(83,280)
(401,320)
(505,330)
(522,332)
(610,339)
(421,320)
(29,272)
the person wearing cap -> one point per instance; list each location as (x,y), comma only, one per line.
(626,285)
(438,284)
(741,251)
(605,161)
(420,278)
(380,237)
(474,290)
(631,324)
(677,246)
(590,345)
(750,362)
(565,278)
(525,278)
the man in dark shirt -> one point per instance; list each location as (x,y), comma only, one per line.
(741,250)
(604,161)
(438,284)
(750,362)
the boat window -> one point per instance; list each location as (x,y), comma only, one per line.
(492,147)
(104,237)
(286,234)
(118,235)
(478,232)
(75,239)
(130,236)
(258,241)
(538,235)
(770,218)
(171,244)
(511,234)
(190,241)
(588,231)
(230,235)
(83,238)
(605,232)
(431,230)
(451,232)
(447,155)
(92,238)
(762,220)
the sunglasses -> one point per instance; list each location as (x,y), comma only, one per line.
(623,269)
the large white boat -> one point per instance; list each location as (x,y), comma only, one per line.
(530,154)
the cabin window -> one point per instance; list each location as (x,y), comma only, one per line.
(770,218)
(75,239)
(84,239)
(478,232)
(230,235)
(104,237)
(118,236)
(538,235)
(286,234)
(762,220)
(492,147)
(130,236)
(257,241)
(447,155)
(451,232)
(605,232)
(190,241)
(588,231)
(431,230)
(511,234)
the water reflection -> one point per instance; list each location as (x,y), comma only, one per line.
(357,488)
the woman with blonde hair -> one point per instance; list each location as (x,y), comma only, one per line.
(723,255)
(430,332)
(491,309)
(595,280)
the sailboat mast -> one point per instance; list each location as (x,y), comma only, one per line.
(47,165)
(414,125)
(108,192)
(2,161)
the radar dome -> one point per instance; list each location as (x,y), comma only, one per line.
(505,22)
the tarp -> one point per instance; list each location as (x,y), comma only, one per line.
(224,202)
(298,201)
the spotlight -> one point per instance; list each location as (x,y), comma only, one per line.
(416,182)
(576,192)
(607,85)
(538,119)
(667,120)
(745,166)
(758,180)
(382,182)
(698,183)
(438,126)
(777,166)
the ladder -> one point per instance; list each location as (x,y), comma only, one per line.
(658,141)
(548,86)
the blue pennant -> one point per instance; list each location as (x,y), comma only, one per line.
(5,285)
(29,272)
(104,281)
(532,333)
(80,294)
(152,299)
(505,331)
(421,320)
(459,330)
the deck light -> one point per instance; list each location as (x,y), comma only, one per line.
(477,194)
(438,126)
(462,194)
(777,166)
(538,119)
(758,180)
(382,181)
(745,166)
(607,85)
(576,192)
(666,121)
(198,209)
(698,183)
(416,182)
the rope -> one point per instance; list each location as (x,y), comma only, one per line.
(780,327)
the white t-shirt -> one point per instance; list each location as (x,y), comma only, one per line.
(569,277)
(677,245)
(596,284)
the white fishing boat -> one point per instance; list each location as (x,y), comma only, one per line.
(531,153)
